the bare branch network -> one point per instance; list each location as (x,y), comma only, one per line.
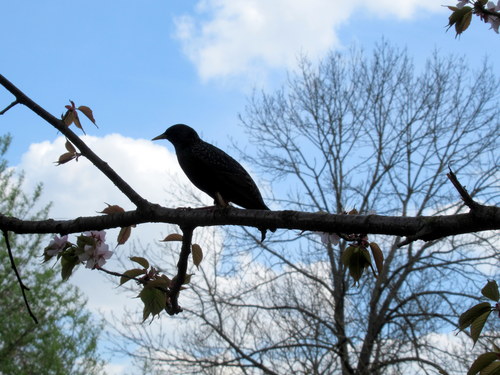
(427,228)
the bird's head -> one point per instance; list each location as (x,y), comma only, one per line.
(180,135)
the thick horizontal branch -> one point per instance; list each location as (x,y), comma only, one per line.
(423,227)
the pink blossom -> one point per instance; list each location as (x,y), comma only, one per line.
(100,236)
(462,3)
(56,245)
(329,238)
(495,23)
(493,20)
(95,255)
(492,7)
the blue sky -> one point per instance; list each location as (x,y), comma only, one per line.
(130,63)
(145,65)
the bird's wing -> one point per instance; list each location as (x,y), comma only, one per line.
(212,170)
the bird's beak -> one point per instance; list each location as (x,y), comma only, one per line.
(161,136)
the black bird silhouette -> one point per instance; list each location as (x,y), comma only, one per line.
(213,171)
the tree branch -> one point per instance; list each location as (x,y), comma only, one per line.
(462,191)
(187,236)
(425,228)
(469,202)
(18,276)
(9,107)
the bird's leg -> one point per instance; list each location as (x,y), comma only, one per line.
(219,201)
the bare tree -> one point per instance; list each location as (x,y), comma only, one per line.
(372,133)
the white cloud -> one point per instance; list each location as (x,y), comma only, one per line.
(234,37)
(116,368)
(79,187)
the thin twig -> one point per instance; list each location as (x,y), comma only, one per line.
(118,274)
(426,230)
(9,106)
(19,280)
(462,191)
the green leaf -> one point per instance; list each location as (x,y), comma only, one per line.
(134,272)
(142,261)
(69,147)
(358,261)
(76,121)
(464,23)
(197,254)
(82,240)
(492,369)
(64,158)
(481,362)
(346,255)
(172,237)
(366,255)
(472,314)
(154,301)
(490,291)
(87,112)
(477,325)
(378,256)
(460,18)
(124,235)
(68,117)
(68,263)
(112,209)
(452,19)
(159,283)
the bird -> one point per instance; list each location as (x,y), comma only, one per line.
(213,171)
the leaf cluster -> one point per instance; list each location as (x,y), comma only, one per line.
(71,115)
(157,288)
(475,318)
(461,17)
(357,258)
